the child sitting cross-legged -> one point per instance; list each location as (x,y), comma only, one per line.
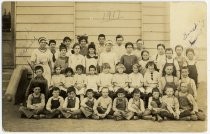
(120,105)
(71,105)
(54,104)
(136,105)
(103,105)
(88,103)
(35,104)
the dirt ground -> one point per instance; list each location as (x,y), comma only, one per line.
(13,123)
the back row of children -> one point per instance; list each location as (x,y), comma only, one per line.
(167,107)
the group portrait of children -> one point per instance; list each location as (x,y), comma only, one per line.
(112,80)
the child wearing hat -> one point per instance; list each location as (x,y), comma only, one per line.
(42,56)
(108,56)
(54,104)
(35,104)
(120,79)
(70,107)
(87,103)
(136,105)
(91,58)
(120,105)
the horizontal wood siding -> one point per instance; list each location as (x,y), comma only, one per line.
(109,19)
(53,20)
(155,24)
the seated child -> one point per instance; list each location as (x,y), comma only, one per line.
(92,80)
(191,64)
(190,82)
(70,107)
(143,62)
(136,80)
(187,104)
(54,104)
(103,105)
(120,105)
(35,104)
(80,80)
(151,79)
(171,103)
(168,79)
(128,59)
(57,80)
(154,106)
(69,78)
(120,79)
(136,106)
(88,103)
(62,60)
(105,79)
(40,80)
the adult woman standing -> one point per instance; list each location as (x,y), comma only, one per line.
(42,56)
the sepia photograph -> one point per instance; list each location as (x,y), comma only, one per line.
(117,66)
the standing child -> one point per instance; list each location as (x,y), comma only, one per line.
(172,61)
(101,45)
(120,105)
(160,57)
(80,80)
(108,56)
(119,48)
(120,79)
(136,80)
(55,53)
(58,81)
(105,79)
(83,40)
(69,78)
(128,59)
(168,78)
(103,105)
(70,107)
(54,104)
(91,58)
(187,104)
(62,60)
(67,42)
(143,62)
(179,57)
(139,48)
(172,105)
(92,80)
(76,58)
(191,64)
(136,106)
(190,82)
(88,103)
(151,79)
(35,104)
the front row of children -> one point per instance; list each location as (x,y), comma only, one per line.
(168,107)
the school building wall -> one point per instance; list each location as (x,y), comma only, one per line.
(55,20)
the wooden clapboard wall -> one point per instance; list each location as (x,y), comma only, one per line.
(155,24)
(53,20)
(110,19)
